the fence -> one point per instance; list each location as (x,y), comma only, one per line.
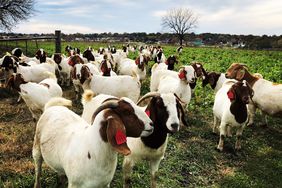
(5,44)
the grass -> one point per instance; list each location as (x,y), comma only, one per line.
(191,159)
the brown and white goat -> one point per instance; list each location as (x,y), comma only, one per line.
(230,107)
(267,95)
(35,95)
(86,153)
(167,114)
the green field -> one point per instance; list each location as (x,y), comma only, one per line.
(191,159)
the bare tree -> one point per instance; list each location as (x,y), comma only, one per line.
(180,21)
(13,11)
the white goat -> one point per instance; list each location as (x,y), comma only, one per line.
(127,66)
(119,86)
(166,81)
(230,107)
(36,95)
(36,73)
(86,153)
(64,68)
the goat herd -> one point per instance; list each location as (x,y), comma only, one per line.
(84,148)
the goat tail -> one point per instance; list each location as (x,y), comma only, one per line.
(57,101)
(50,75)
(50,61)
(87,96)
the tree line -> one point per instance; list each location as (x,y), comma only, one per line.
(206,39)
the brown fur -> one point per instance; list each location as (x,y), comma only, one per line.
(58,58)
(85,74)
(211,78)
(15,81)
(75,60)
(240,72)
(73,73)
(238,106)
(105,69)
(124,119)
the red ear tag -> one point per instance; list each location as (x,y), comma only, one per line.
(231,95)
(166,62)
(148,113)
(136,62)
(71,63)
(120,137)
(181,75)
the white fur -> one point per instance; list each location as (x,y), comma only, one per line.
(65,141)
(139,151)
(36,95)
(221,111)
(36,73)
(127,66)
(268,97)
(119,86)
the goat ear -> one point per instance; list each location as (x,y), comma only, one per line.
(137,61)
(231,94)
(116,135)
(182,115)
(240,74)
(211,80)
(10,83)
(73,73)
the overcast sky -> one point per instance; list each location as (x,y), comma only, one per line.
(256,17)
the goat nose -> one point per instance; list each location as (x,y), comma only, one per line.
(246,99)
(174,126)
(226,75)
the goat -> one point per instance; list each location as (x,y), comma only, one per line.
(35,95)
(179,50)
(165,111)
(230,107)
(64,69)
(86,153)
(17,52)
(89,55)
(80,73)
(267,95)
(127,66)
(119,86)
(171,60)
(160,57)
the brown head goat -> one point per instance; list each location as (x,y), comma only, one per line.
(230,107)
(166,113)
(267,95)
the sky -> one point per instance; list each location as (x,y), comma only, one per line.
(257,17)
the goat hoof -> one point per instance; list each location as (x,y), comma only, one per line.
(251,125)
(220,149)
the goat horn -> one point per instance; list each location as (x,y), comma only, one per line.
(178,98)
(108,104)
(244,65)
(151,94)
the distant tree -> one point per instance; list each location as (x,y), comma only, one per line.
(180,21)
(14,11)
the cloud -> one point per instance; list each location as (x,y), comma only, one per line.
(232,16)
(159,13)
(35,26)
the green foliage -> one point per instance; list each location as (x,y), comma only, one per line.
(191,159)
